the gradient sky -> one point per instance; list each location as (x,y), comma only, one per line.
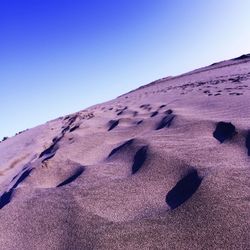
(61,56)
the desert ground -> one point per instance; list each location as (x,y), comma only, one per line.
(165,166)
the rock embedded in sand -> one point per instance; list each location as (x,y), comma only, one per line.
(49,152)
(117,149)
(169,111)
(154,114)
(166,121)
(139,159)
(23,176)
(145,106)
(184,189)
(74,128)
(5,198)
(73,177)
(224,131)
(120,113)
(162,106)
(113,124)
(248,143)
(5,138)
(135,113)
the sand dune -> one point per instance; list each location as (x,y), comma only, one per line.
(165,166)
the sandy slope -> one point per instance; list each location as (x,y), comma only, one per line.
(98,179)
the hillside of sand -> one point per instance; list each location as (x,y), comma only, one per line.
(166,166)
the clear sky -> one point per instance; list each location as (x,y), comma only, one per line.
(61,56)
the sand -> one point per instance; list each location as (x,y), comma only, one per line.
(165,166)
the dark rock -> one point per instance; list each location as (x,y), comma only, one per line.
(65,129)
(77,173)
(50,151)
(145,106)
(23,176)
(121,110)
(5,198)
(120,113)
(154,114)
(224,131)
(72,119)
(55,139)
(165,122)
(248,143)
(162,106)
(113,124)
(184,189)
(169,111)
(125,144)
(139,159)
(74,128)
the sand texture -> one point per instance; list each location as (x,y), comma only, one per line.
(165,166)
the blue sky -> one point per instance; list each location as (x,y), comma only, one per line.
(61,56)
